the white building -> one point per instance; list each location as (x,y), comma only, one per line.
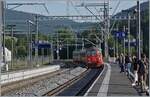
(7,56)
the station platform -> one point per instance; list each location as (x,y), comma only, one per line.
(25,74)
(113,83)
(120,84)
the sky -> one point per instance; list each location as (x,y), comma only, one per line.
(59,7)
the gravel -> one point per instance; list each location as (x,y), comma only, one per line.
(41,87)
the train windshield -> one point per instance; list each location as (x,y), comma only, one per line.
(91,52)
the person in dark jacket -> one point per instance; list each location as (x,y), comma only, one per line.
(142,72)
(135,68)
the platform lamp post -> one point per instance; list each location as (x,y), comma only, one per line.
(29,43)
(29,22)
(129,48)
(139,29)
(37,40)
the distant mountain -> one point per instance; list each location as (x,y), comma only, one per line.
(144,6)
(19,19)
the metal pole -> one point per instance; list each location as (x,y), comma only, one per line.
(28,37)
(36,39)
(76,43)
(12,47)
(67,50)
(117,43)
(31,46)
(52,48)
(57,51)
(1,31)
(115,47)
(106,19)
(105,30)
(82,43)
(124,48)
(139,29)
(42,55)
(129,33)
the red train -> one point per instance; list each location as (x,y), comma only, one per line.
(91,57)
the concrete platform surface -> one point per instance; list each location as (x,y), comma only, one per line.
(119,84)
(20,75)
(113,83)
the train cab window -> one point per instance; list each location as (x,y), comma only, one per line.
(91,52)
(88,53)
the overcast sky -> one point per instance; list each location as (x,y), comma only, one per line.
(59,7)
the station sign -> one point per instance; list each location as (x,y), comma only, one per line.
(120,34)
(133,42)
(41,44)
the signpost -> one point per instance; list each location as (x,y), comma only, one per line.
(121,36)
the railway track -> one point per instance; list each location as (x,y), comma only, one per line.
(76,86)
(65,67)
(31,86)
(34,87)
(65,85)
(19,84)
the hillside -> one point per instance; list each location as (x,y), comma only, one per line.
(19,19)
(144,24)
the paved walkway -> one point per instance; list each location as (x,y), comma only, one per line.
(113,83)
(119,84)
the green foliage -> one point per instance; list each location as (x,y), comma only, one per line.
(8,41)
(94,35)
(64,35)
(111,41)
(21,51)
(42,37)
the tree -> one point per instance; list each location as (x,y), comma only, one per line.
(8,42)
(64,35)
(94,35)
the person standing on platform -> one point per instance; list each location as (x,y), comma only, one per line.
(121,63)
(142,72)
(128,61)
(135,68)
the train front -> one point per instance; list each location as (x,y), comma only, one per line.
(94,58)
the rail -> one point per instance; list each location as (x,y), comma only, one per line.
(66,84)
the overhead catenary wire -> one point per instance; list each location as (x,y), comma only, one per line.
(113,15)
(83,20)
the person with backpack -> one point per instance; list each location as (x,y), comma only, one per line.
(142,72)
